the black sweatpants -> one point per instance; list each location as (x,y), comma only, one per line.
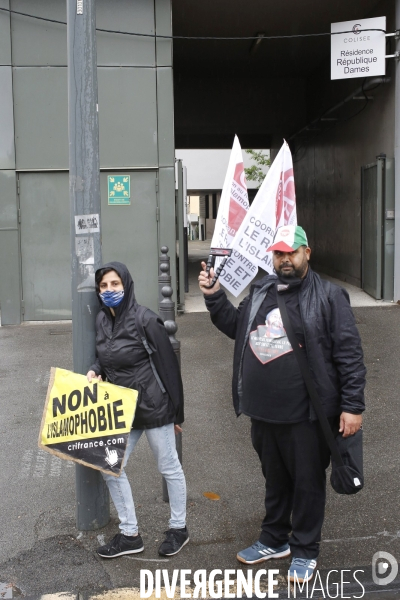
(293,460)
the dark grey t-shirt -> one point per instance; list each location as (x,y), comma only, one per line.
(273,387)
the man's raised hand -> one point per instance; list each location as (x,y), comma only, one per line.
(205,279)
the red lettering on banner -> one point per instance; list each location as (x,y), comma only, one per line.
(238,201)
(285,197)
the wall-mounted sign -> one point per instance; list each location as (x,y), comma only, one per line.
(119,189)
(359,53)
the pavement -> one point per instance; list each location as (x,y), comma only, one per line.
(43,555)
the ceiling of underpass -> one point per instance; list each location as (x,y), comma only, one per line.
(223,87)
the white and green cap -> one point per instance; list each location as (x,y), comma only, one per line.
(288,238)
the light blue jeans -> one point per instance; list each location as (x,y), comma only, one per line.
(162,443)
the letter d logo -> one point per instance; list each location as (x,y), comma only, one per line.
(382,568)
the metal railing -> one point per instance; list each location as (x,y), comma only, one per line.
(167,313)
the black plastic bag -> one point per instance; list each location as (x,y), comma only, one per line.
(349,477)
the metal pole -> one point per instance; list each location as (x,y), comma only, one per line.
(167,313)
(181,262)
(92,499)
(397,171)
(185,230)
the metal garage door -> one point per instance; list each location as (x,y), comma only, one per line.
(378,228)
(129,235)
(372,229)
(45,246)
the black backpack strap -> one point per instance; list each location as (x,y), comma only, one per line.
(140,312)
(306,373)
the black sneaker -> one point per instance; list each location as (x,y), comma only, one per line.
(121,544)
(174,541)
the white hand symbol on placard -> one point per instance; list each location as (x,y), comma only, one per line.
(112,457)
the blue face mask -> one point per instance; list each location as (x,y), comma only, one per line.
(112,299)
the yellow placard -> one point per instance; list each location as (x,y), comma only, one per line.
(87,422)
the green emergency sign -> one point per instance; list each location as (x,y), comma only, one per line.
(119,189)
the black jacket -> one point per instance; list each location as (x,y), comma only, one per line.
(123,360)
(333,343)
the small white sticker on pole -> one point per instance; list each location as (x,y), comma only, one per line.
(87,224)
(79,7)
(84,248)
(361,51)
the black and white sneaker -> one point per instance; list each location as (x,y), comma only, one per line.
(174,541)
(121,544)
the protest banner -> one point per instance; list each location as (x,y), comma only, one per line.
(234,202)
(238,271)
(88,423)
(274,206)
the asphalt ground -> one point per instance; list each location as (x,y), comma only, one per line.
(42,552)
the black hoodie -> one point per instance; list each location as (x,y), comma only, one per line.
(123,360)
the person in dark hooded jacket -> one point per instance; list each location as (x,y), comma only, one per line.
(123,360)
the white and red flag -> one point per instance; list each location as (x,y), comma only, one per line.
(233,207)
(274,206)
(234,202)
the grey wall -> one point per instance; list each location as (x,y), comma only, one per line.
(135,115)
(10,292)
(328,166)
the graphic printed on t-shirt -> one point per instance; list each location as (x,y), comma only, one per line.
(270,341)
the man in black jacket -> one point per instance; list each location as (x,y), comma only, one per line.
(268,387)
